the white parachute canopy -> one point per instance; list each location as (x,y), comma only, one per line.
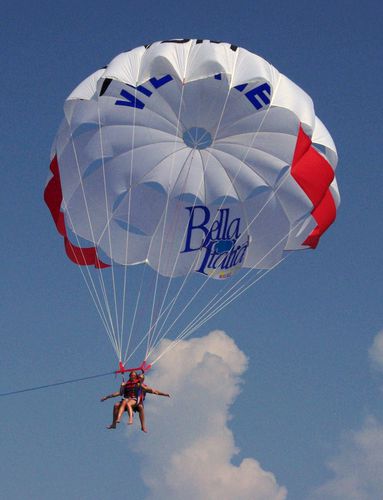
(193,159)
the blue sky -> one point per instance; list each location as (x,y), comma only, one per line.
(306,330)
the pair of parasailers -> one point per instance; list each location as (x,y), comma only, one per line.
(133,393)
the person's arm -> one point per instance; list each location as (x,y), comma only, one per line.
(155,391)
(114,394)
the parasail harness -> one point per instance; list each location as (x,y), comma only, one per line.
(132,389)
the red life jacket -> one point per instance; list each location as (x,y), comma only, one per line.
(129,389)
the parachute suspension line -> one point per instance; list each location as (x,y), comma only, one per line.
(178,293)
(109,218)
(102,283)
(139,295)
(152,323)
(108,229)
(243,161)
(175,298)
(132,322)
(125,359)
(171,303)
(216,233)
(145,268)
(185,279)
(245,156)
(222,303)
(168,195)
(196,294)
(242,289)
(110,215)
(212,300)
(192,328)
(127,248)
(198,322)
(166,212)
(202,182)
(225,197)
(146,335)
(167,308)
(94,293)
(170,306)
(185,308)
(106,300)
(247,152)
(209,312)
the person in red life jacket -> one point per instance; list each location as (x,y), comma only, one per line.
(133,393)
(128,391)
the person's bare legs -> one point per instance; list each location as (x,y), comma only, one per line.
(123,407)
(129,406)
(116,408)
(141,414)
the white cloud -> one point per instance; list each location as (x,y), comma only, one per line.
(358,468)
(188,453)
(376,351)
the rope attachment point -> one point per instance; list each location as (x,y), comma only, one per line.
(144,367)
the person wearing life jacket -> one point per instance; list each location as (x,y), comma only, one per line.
(130,397)
(128,392)
(142,389)
(133,394)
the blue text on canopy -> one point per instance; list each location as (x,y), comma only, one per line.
(219,241)
(259,96)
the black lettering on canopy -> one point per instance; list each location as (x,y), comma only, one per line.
(232,47)
(181,40)
(185,40)
(105,85)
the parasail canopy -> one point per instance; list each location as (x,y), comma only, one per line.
(192,158)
